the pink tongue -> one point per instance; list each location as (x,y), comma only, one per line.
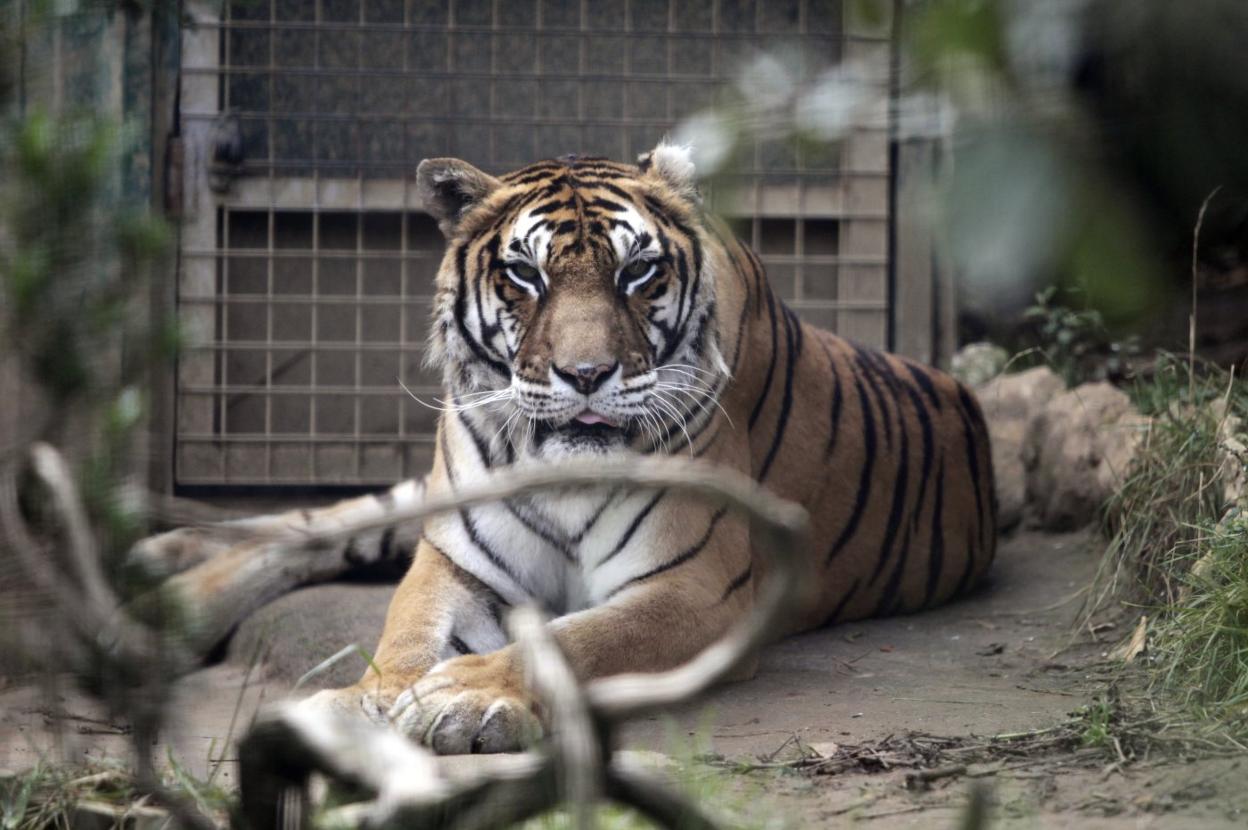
(589,418)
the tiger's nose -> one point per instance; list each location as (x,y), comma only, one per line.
(586,377)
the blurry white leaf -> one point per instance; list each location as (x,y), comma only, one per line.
(711,138)
(838,99)
(766,83)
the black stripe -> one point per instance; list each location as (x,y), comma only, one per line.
(838,401)
(738,583)
(988,515)
(689,284)
(840,606)
(606,204)
(964,581)
(657,209)
(799,341)
(474,536)
(936,556)
(540,531)
(686,411)
(921,377)
(550,207)
(710,442)
(771,364)
(925,426)
(890,595)
(901,484)
(761,284)
(792,349)
(470,526)
(745,286)
(461,308)
(459,645)
(593,520)
(736,349)
(878,396)
(972,452)
(864,480)
(494,602)
(610,188)
(632,528)
(678,560)
(483,450)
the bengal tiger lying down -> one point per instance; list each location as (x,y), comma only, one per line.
(589,307)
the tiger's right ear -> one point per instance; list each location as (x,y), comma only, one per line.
(449,188)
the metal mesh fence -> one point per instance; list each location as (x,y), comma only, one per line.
(306,275)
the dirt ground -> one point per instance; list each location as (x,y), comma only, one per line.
(1001,661)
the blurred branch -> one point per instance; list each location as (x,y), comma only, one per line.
(410,787)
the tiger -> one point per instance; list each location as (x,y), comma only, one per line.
(586,307)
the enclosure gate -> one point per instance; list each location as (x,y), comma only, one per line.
(306,267)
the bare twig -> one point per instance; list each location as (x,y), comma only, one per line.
(1191,323)
(578,756)
(920,779)
(287,746)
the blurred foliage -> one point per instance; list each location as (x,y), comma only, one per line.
(74,275)
(75,272)
(1073,342)
(1080,138)
(1087,134)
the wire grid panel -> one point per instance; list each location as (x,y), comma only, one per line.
(306,279)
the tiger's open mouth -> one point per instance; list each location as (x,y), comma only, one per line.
(591,418)
(589,428)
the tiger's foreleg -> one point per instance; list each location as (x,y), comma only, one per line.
(479,702)
(436,612)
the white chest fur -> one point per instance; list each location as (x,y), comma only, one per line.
(565,550)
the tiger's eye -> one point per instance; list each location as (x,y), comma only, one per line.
(637,269)
(524,271)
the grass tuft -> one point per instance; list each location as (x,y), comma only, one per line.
(1178,548)
(1201,644)
(52,796)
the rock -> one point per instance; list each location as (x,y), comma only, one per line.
(299,630)
(1011,404)
(1232,457)
(1078,452)
(977,363)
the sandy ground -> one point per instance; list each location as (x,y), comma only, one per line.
(1003,660)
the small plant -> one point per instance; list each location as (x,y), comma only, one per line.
(1096,717)
(1075,343)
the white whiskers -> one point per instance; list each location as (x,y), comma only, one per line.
(465,402)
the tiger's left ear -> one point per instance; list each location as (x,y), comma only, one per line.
(673,165)
(449,188)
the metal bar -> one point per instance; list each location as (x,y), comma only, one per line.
(717,34)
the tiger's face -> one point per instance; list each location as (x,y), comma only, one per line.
(575,308)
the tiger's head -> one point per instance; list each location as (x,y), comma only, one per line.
(575,304)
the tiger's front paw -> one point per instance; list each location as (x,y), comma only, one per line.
(474,703)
